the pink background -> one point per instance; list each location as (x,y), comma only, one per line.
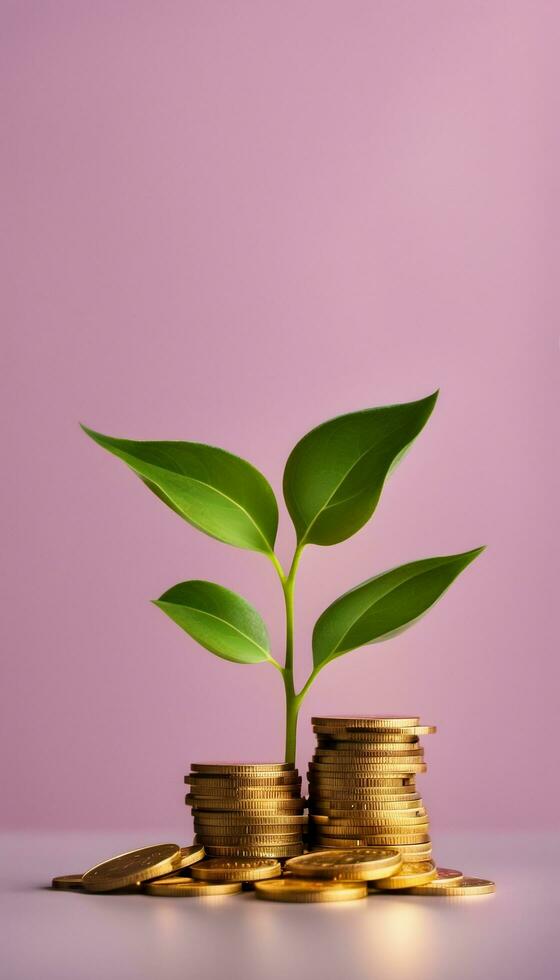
(228,222)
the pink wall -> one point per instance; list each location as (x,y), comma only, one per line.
(227,222)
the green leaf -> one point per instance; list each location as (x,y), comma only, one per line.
(334,475)
(219,620)
(213,490)
(384,605)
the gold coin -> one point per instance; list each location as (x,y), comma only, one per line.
(389,781)
(346,736)
(340,794)
(331,806)
(250,835)
(239,782)
(243,767)
(232,792)
(257,851)
(355,766)
(364,778)
(468,886)
(296,890)
(199,785)
(188,887)
(381,778)
(361,864)
(374,825)
(70,883)
(392,834)
(368,808)
(411,853)
(189,855)
(445,877)
(241,841)
(325,772)
(373,840)
(357,794)
(341,808)
(351,763)
(210,804)
(236,869)
(346,828)
(409,876)
(362,752)
(366,721)
(375,739)
(254,824)
(132,867)
(367,819)
(353,743)
(229,835)
(237,779)
(234,820)
(326,802)
(244,827)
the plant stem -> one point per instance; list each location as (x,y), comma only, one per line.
(308,684)
(292,710)
(292,700)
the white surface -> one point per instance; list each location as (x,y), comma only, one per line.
(514,934)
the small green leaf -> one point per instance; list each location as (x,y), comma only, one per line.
(219,620)
(334,475)
(213,490)
(384,605)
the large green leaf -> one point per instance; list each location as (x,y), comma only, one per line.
(334,475)
(219,620)
(384,605)
(217,492)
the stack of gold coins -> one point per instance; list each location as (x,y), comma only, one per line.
(246,809)
(362,785)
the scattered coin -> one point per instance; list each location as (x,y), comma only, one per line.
(236,869)
(409,876)
(297,890)
(445,876)
(189,855)
(189,887)
(70,883)
(361,864)
(467,887)
(132,868)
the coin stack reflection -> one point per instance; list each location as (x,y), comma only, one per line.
(247,810)
(362,785)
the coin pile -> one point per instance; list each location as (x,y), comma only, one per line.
(367,825)
(369,868)
(167,870)
(247,810)
(362,786)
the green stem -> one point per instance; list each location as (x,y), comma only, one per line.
(292,700)
(292,710)
(308,683)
